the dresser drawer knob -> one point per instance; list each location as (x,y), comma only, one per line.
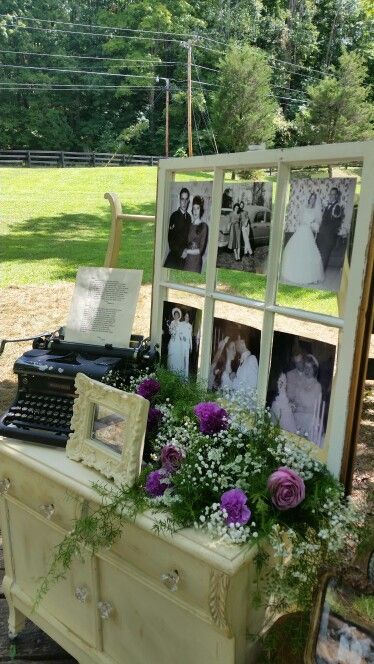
(47,510)
(105,610)
(4,485)
(82,594)
(171,580)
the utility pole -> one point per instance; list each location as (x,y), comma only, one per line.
(167,104)
(188,46)
(189,99)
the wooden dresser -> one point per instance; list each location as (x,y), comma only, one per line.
(150,599)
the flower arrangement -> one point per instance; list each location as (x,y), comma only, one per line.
(211,466)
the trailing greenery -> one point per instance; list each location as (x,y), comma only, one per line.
(216,467)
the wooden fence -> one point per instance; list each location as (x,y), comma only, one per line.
(36,158)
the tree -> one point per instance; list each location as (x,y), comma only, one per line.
(338,109)
(245,109)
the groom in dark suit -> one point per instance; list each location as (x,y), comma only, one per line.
(331,221)
(179,226)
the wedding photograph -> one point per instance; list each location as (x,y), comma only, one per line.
(235,357)
(244,230)
(299,388)
(317,231)
(188,226)
(108,428)
(344,636)
(181,329)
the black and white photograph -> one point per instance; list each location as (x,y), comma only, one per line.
(188,226)
(108,428)
(235,357)
(300,381)
(244,229)
(181,330)
(318,223)
(344,637)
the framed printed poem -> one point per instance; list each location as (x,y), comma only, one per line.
(316,224)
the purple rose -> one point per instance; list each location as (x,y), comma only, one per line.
(148,388)
(171,457)
(154,416)
(212,418)
(287,488)
(234,502)
(157,483)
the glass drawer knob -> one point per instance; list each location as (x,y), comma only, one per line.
(105,609)
(4,485)
(171,580)
(81,594)
(47,510)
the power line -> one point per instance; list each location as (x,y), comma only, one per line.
(80,86)
(207,111)
(142,61)
(143,38)
(298,66)
(90,72)
(91,34)
(95,57)
(197,131)
(207,48)
(110,28)
(203,67)
(76,71)
(284,87)
(108,35)
(32,89)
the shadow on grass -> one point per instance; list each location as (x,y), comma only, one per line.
(141,208)
(71,240)
(61,243)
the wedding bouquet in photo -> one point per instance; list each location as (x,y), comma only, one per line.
(213,466)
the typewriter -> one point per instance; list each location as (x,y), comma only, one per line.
(43,406)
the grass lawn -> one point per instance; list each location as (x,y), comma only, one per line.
(55,220)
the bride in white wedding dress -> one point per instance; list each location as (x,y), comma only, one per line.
(301,260)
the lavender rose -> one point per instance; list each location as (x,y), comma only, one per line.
(212,418)
(148,388)
(234,502)
(157,483)
(154,416)
(171,457)
(287,488)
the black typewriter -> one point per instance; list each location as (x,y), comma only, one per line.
(43,406)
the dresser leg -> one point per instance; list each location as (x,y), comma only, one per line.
(16,622)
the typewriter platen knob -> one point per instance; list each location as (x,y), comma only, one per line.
(47,510)
(4,485)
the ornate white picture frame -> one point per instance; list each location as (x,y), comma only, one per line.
(108,430)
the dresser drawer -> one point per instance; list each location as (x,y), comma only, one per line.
(139,625)
(172,571)
(71,601)
(39,493)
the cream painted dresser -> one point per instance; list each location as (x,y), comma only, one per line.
(150,599)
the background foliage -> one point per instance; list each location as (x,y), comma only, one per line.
(300,39)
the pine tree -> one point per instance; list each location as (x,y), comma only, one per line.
(339,109)
(245,109)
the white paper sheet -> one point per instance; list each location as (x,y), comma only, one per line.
(103,307)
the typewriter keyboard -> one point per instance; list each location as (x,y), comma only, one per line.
(41,411)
